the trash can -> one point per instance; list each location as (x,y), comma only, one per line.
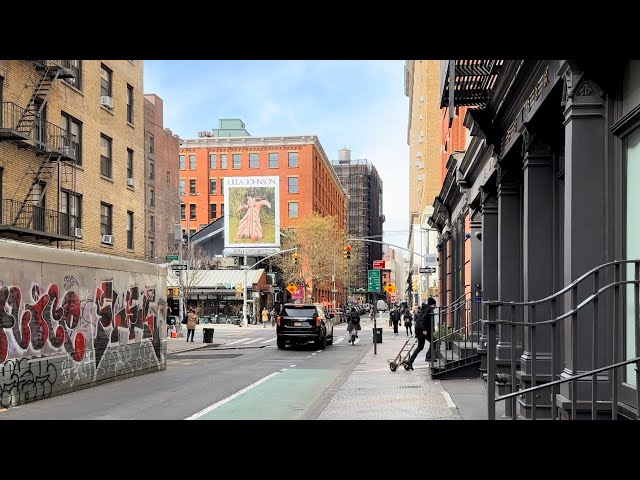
(207,334)
(377,335)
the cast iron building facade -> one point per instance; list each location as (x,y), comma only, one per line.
(363,185)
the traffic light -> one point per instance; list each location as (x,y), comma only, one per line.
(296,259)
(347,252)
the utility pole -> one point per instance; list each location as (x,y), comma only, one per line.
(181,291)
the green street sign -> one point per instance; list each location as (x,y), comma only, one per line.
(168,258)
(373,278)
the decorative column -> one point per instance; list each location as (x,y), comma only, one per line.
(537,252)
(584,228)
(475,224)
(509,273)
(489,260)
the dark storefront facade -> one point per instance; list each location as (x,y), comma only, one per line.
(544,193)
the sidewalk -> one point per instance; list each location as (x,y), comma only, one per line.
(373,392)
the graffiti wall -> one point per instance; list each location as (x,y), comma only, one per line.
(70,320)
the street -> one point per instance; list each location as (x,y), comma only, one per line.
(242,375)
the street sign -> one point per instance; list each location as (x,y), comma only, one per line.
(168,258)
(373,283)
(378,264)
(179,266)
(427,269)
(431,259)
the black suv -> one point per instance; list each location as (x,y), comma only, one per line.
(303,323)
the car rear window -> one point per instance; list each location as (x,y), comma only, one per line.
(299,311)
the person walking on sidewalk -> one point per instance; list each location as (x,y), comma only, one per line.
(395,319)
(407,322)
(265,317)
(423,329)
(192,321)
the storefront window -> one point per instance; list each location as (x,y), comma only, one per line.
(631,87)
(633,242)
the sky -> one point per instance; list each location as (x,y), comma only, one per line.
(355,104)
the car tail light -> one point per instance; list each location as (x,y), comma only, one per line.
(278,320)
(317,321)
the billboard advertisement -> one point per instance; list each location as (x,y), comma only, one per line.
(252,213)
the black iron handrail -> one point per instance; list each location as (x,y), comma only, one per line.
(46,137)
(33,218)
(530,322)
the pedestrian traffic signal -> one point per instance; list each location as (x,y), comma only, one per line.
(296,259)
(347,252)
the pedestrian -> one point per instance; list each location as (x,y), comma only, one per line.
(353,325)
(192,321)
(407,322)
(423,330)
(265,317)
(395,319)
(273,315)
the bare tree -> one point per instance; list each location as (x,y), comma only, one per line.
(198,262)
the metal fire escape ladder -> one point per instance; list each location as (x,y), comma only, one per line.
(38,100)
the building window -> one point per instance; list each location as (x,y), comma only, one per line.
(105,81)
(212,211)
(76,67)
(105,218)
(223,160)
(293,159)
(293,209)
(182,212)
(221,209)
(236,160)
(212,161)
(152,249)
(182,187)
(192,232)
(192,211)
(212,186)
(151,143)
(129,165)
(192,187)
(129,103)
(181,162)
(71,204)
(152,197)
(253,160)
(168,179)
(105,155)
(130,230)
(222,186)
(293,184)
(273,160)
(152,171)
(192,162)
(152,225)
(73,138)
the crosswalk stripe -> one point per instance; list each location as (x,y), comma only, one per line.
(237,341)
(270,340)
(253,341)
(338,340)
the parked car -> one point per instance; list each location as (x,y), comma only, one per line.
(304,323)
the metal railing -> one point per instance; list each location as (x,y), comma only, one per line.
(456,325)
(36,132)
(33,218)
(534,325)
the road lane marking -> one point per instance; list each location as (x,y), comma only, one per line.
(449,400)
(317,351)
(253,341)
(357,340)
(270,340)
(237,341)
(338,340)
(314,354)
(231,397)
(283,369)
(291,366)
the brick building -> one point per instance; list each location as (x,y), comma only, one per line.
(71,154)
(162,203)
(308,183)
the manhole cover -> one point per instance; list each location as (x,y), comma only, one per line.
(207,356)
(410,386)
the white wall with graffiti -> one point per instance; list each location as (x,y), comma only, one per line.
(71,320)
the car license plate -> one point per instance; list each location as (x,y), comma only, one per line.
(297,324)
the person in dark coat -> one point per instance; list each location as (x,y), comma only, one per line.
(423,329)
(354,324)
(395,319)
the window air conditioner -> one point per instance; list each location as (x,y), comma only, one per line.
(130,182)
(108,239)
(106,101)
(78,233)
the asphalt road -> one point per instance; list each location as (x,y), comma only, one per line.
(241,378)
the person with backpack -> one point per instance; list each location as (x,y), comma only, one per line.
(423,329)
(354,325)
(408,322)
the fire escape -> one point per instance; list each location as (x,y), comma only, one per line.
(28,129)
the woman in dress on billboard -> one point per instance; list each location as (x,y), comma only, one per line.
(250,226)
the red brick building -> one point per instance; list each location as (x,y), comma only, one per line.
(308,182)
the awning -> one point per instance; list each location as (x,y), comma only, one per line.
(472,82)
(215,279)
